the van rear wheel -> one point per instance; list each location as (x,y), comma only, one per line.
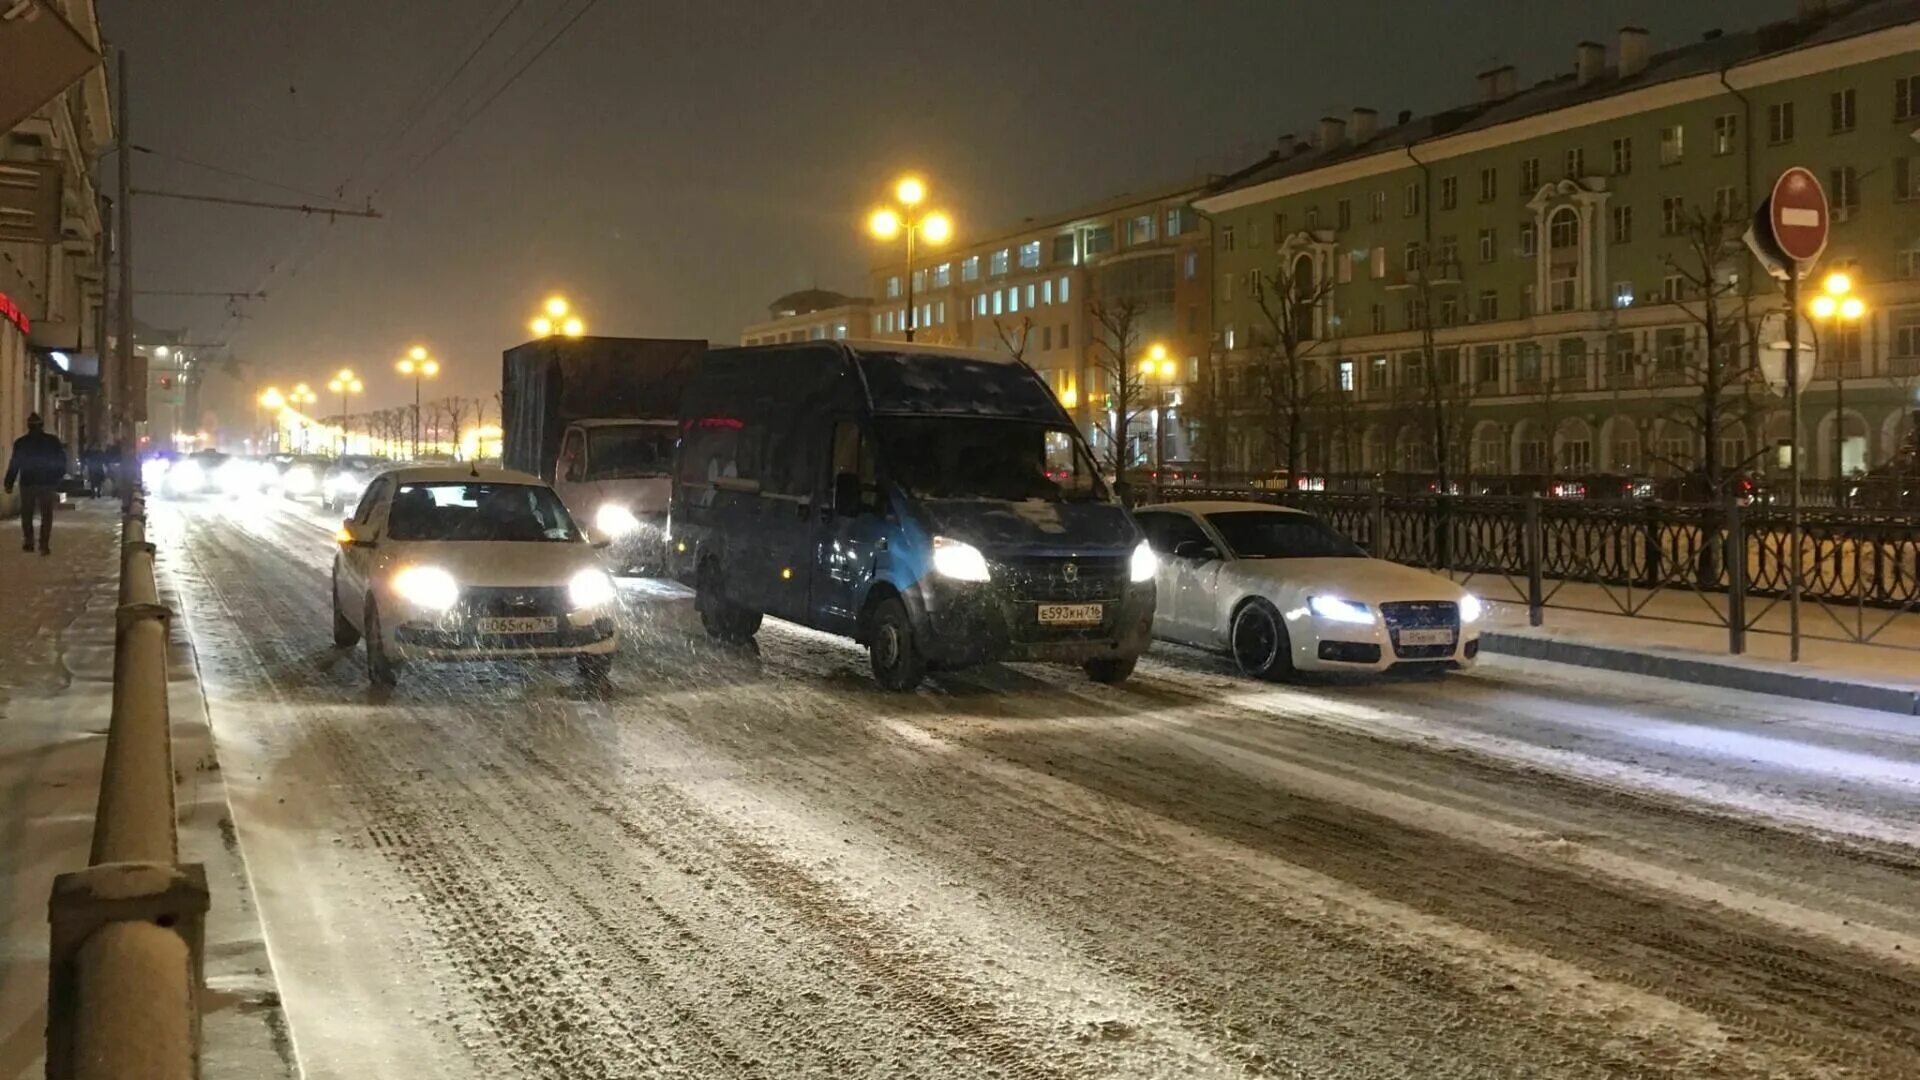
(895,657)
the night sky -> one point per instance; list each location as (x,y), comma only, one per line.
(673,167)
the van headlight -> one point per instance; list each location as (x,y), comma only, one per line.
(959,560)
(590,588)
(427,587)
(1471,608)
(1145,563)
(614,520)
(1334,609)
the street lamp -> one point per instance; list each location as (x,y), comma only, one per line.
(273,401)
(421,366)
(1837,304)
(343,384)
(932,226)
(554,319)
(1157,365)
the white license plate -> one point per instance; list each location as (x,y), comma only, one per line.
(546,624)
(1071,614)
(1426,637)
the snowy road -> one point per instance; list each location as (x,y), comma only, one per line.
(757,865)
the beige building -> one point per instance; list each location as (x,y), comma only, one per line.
(1038,292)
(811,315)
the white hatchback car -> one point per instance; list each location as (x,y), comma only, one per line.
(459,563)
(1282,591)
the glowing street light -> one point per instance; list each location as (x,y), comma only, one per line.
(555,319)
(301,394)
(421,366)
(933,227)
(343,384)
(1836,303)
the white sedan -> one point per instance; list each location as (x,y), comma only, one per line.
(458,563)
(1282,591)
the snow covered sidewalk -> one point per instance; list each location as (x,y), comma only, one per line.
(1677,636)
(56,672)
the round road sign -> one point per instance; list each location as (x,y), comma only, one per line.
(1798,211)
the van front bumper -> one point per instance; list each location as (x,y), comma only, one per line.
(957,624)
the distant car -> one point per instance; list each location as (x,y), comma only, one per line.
(194,475)
(441,563)
(301,475)
(347,477)
(1282,591)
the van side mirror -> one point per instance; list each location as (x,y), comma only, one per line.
(846,494)
(1197,550)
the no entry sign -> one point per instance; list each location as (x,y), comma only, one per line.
(1798,214)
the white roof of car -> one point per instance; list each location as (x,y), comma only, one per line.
(1221,506)
(455,474)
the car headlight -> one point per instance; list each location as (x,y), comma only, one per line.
(299,481)
(590,588)
(154,470)
(1471,608)
(1334,609)
(427,586)
(187,476)
(1145,563)
(959,560)
(614,520)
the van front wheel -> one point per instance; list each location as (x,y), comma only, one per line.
(896,658)
(723,619)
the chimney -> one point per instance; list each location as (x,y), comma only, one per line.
(1364,123)
(1498,84)
(1634,49)
(1406,117)
(1333,132)
(1589,61)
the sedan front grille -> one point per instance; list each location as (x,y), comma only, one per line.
(510,602)
(1422,615)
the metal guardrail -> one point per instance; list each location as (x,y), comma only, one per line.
(1860,570)
(125,969)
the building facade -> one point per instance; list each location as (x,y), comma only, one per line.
(1551,279)
(1078,296)
(811,315)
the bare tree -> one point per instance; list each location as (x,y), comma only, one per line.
(1290,301)
(1212,404)
(1014,337)
(458,412)
(1724,372)
(1116,341)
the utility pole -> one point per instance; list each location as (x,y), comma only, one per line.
(123,427)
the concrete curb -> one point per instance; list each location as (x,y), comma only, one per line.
(1807,687)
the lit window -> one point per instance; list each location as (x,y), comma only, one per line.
(1063,290)
(943,275)
(1673,144)
(1032,293)
(893,286)
(1030,255)
(840,331)
(1013,299)
(1193,265)
(1046,291)
(999,303)
(970,268)
(1725,127)
(1623,294)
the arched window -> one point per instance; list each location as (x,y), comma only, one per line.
(1563,259)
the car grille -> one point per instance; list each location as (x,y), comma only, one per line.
(1421,615)
(491,602)
(1048,579)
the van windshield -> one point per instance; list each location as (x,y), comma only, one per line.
(630,451)
(964,457)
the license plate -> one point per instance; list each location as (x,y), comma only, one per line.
(1426,637)
(1071,614)
(526,625)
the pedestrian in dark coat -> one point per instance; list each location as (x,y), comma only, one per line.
(39,464)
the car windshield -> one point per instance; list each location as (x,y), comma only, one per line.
(975,458)
(627,451)
(1276,534)
(361,463)
(514,513)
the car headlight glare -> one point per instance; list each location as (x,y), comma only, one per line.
(1471,608)
(614,520)
(1334,609)
(187,476)
(1145,563)
(959,560)
(299,480)
(590,588)
(427,586)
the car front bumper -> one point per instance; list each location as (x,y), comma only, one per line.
(454,637)
(1321,645)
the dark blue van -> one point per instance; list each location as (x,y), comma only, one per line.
(901,496)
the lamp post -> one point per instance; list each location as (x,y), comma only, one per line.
(1158,366)
(272,400)
(555,320)
(421,366)
(302,394)
(1836,304)
(932,225)
(343,384)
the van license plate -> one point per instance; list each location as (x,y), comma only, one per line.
(529,625)
(1071,614)
(1426,637)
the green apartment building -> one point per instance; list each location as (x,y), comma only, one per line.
(1521,278)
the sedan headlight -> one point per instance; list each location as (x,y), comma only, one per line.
(959,560)
(1334,609)
(614,520)
(427,586)
(1471,608)
(299,480)
(1145,563)
(187,477)
(590,588)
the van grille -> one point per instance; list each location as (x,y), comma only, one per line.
(1048,579)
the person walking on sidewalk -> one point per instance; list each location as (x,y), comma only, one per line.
(39,463)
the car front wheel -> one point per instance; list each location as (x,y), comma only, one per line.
(344,634)
(1260,644)
(1111,670)
(381,669)
(891,651)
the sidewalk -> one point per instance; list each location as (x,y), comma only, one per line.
(56,672)
(1678,636)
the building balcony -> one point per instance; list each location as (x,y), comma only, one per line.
(1903,365)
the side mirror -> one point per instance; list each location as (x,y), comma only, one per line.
(846,494)
(349,536)
(600,543)
(1197,550)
